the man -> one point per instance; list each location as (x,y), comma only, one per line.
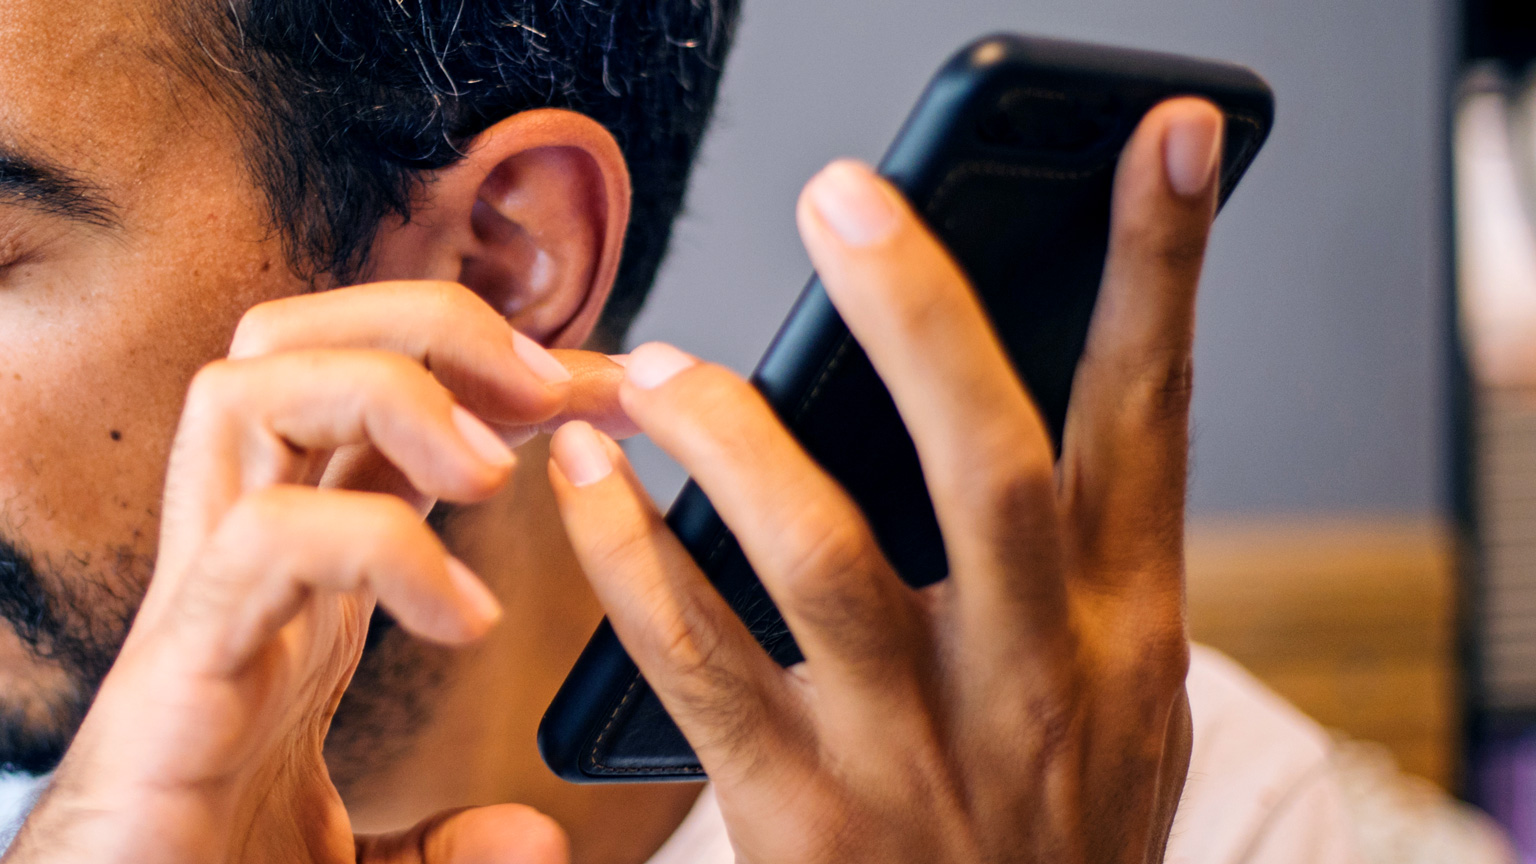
(184,180)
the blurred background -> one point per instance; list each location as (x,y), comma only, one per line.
(1354,481)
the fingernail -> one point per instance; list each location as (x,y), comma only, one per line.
(517,437)
(486,444)
(581,455)
(1192,149)
(619,359)
(852,202)
(653,364)
(539,361)
(476,597)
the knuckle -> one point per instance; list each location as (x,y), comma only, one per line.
(392,514)
(1165,244)
(1163,387)
(688,641)
(450,294)
(1162,655)
(259,515)
(720,699)
(1183,251)
(449,302)
(247,541)
(393,376)
(676,627)
(395,531)
(411,370)
(1048,710)
(1010,479)
(835,581)
(1057,721)
(825,548)
(212,383)
(254,333)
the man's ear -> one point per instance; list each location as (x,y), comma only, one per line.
(532,220)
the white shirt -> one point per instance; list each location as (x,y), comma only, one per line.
(16,797)
(1264,787)
(1260,788)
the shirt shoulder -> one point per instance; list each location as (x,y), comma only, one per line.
(1262,788)
(17,794)
(701,839)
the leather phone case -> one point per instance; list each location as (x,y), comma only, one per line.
(1010,158)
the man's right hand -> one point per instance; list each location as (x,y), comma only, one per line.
(301,472)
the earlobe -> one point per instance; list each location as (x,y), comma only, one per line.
(532,220)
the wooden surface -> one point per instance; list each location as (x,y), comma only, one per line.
(1350,619)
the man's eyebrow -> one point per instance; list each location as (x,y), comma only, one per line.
(29,181)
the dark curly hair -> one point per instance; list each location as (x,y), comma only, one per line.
(349,103)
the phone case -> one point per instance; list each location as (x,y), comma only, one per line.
(1010,157)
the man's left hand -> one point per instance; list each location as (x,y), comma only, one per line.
(1032,706)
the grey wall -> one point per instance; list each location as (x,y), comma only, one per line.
(1320,348)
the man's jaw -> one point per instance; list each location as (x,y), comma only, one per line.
(59,634)
(41,707)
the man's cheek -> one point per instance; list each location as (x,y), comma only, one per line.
(71,493)
(83,445)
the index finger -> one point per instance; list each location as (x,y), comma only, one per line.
(985,453)
(501,375)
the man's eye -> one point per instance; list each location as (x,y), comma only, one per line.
(11,249)
(16,247)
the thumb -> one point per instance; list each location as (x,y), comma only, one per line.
(504,834)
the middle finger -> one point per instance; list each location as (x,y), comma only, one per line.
(985,453)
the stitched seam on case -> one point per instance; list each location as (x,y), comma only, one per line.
(597,743)
(838,357)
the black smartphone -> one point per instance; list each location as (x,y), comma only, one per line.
(1010,157)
